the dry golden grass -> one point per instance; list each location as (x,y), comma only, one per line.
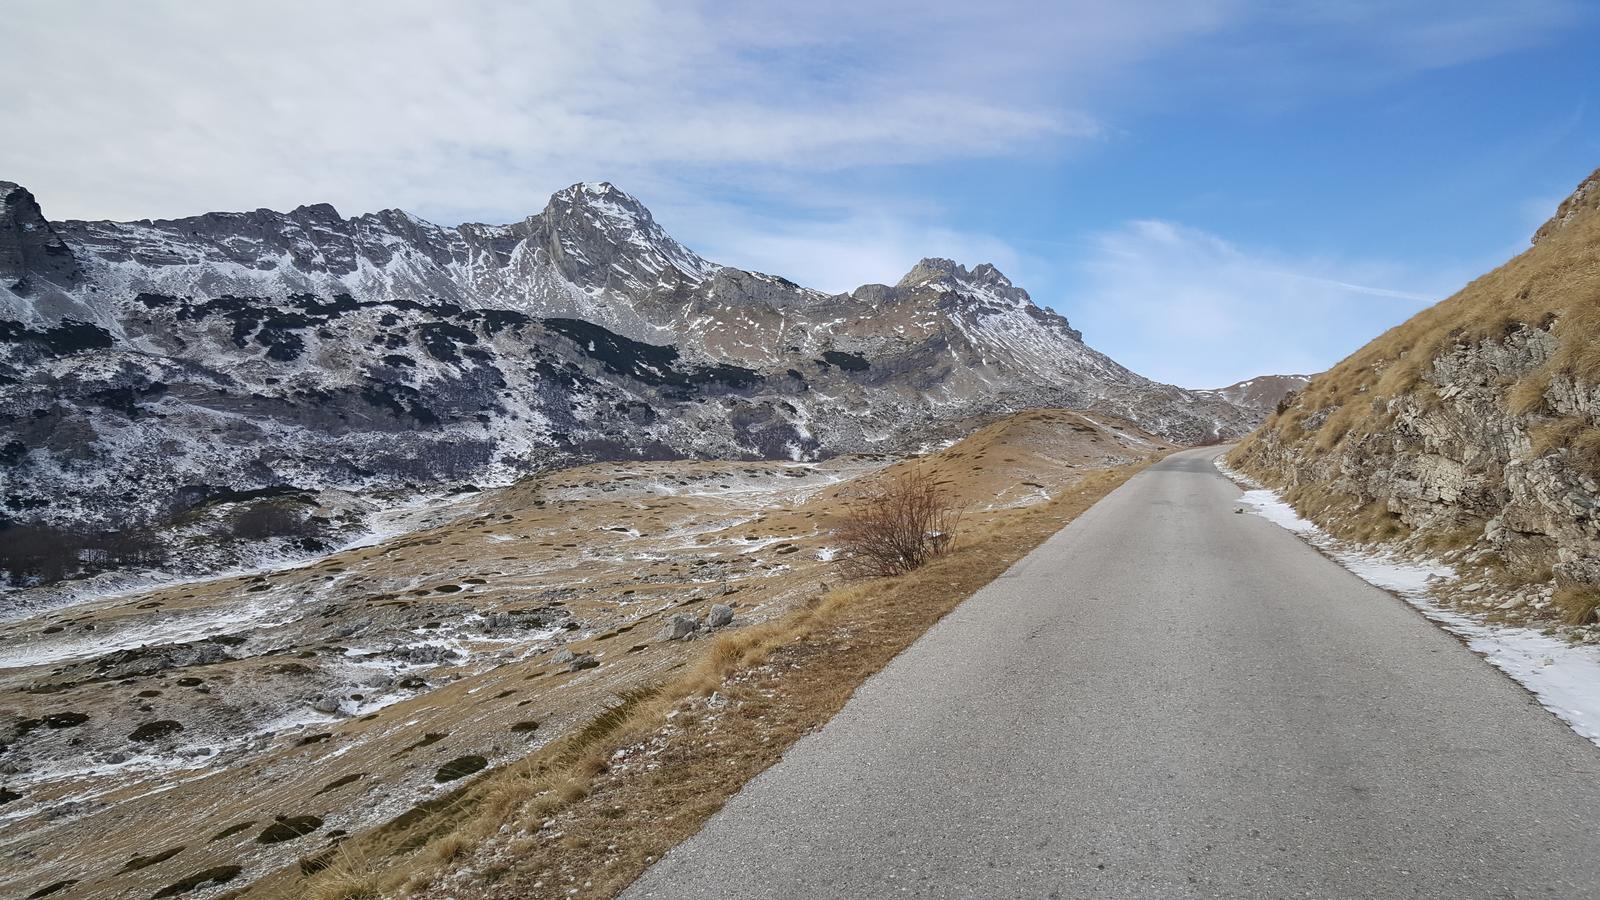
(346,878)
(1579,604)
(1555,284)
(773,682)
(1527,396)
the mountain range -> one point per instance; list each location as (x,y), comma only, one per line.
(152,368)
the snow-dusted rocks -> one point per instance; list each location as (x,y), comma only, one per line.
(1262,393)
(154,369)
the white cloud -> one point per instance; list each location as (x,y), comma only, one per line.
(1181,305)
(168,108)
(481,109)
(842,251)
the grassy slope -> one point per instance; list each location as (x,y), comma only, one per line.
(1554,286)
(750,695)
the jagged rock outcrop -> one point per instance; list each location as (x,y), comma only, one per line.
(33,258)
(150,367)
(1476,425)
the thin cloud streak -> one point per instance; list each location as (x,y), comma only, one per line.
(1357,288)
(1185,306)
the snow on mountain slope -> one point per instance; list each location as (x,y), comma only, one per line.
(1262,393)
(150,368)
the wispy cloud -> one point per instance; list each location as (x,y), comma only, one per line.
(163,108)
(1182,305)
(482,108)
(839,252)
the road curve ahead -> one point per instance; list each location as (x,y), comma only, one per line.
(1168,699)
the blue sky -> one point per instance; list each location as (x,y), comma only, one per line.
(1209,189)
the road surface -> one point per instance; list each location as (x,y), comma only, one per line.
(1168,699)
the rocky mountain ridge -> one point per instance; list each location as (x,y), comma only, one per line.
(1262,393)
(151,369)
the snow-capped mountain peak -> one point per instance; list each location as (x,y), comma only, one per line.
(599,213)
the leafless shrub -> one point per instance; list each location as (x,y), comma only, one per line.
(899,524)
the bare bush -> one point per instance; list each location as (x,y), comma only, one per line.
(902,522)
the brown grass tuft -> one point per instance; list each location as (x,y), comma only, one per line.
(1579,604)
(1527,394)
(346,878)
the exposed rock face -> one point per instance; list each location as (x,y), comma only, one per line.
(1492,444)
(147,367)
(1585,201)
(1457,463)
(33,258)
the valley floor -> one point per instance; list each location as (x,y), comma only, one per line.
(197,737)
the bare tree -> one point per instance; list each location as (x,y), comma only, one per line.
(903,521)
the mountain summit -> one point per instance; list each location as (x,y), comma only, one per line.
(233,352)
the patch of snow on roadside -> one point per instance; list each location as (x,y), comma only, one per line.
(1267,505)
(1564,678)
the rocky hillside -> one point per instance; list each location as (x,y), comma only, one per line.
(152,370)
(1475,426)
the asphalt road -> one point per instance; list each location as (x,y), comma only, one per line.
(1167,699)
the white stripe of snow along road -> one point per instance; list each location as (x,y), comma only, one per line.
(1563,677)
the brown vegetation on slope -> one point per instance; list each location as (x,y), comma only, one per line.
(1474,425)
(584,817)
(521,584)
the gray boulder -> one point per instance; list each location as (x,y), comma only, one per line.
(681,627)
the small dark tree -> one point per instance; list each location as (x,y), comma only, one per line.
(900,523)
(271,519)
(39,554)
